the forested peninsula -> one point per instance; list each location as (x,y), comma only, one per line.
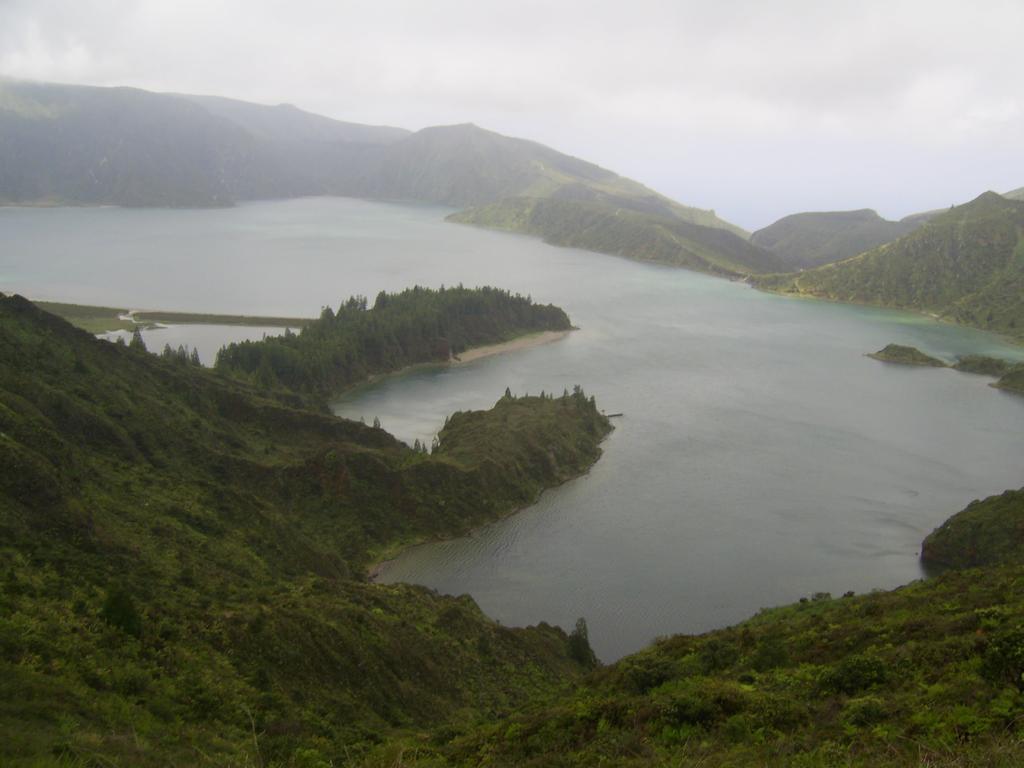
(182,557)
(419,325)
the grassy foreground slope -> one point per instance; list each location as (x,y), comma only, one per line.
(966,264)
(928,674)
(811,239)
(181,562)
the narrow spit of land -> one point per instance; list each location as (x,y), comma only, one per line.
(517,344)
(97,319)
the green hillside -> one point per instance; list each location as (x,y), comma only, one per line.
(182,560)
(811,239)
(926,675)
(987,532)
(627,227)
(464,165)
(966,264)
(1017,194)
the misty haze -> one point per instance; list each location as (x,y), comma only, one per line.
(472,385)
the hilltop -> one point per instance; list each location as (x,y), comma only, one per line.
(811,239)
(182,559)
(966,264)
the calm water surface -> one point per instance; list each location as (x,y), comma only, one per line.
(761,456)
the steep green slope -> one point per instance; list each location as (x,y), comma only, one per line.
(1017,194)
(987,532)
(419,325)
(966,264)
(811,239)
(464,165)
(625,227)
(928,674)
(181,561)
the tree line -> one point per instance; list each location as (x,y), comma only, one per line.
(418,325)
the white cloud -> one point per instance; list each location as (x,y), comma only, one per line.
(756,109)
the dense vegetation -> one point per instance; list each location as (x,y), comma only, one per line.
(812,239)
(419,325)
(637,228)
(182,560)
(928,674)
(987,532)
(897,353)
(966,264)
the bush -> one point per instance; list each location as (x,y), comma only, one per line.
(119,611)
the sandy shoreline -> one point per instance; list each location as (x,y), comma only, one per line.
(519,343)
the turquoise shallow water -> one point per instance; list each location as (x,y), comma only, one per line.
(761,456)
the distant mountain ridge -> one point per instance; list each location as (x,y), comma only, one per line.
(966,264)
(82,145)
(811,239)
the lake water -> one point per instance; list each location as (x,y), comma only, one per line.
(761,456)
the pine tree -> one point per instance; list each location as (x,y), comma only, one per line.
(137,342)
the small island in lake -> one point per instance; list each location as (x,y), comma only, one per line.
(983,365)
(1010,375)
(897,353)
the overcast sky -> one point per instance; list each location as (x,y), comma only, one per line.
(755,109)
